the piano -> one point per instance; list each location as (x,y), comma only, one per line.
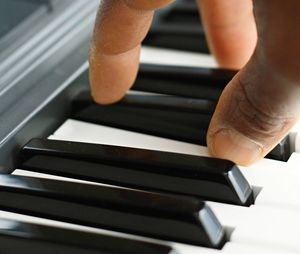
(134,177)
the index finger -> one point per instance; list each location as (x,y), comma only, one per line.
(120,27)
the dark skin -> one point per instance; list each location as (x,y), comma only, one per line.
(260,37)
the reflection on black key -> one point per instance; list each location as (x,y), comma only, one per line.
(21,237)
(208,178)
(153,101)
(193,82)
(168,217)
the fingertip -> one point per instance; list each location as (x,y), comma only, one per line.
(112,75)
(105,100)
(232,145)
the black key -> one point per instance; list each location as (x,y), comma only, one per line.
(152,101)
(177,36)
(21,237)
(181,13)
(169,217)
(192,82)
(178,27)
(184,126)
(282,151)
(207,178)
(141,105)
(172,103)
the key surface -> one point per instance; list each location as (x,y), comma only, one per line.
(208,178)
(269,226)
(193,82)
(255,248)
(293,163)
(18,236)
(155,215)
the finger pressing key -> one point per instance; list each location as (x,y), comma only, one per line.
(120,27)
(261,103)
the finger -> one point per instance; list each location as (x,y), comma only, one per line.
(230,30)
(261,103)
(120,27)
(252,117)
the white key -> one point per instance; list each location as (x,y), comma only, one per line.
(275,228)
(261,225)
(285,194)
(294,141)
(296,128)
(297,141)
(238,248)
(293,163)
(80,131)
(279,186)
(161,56)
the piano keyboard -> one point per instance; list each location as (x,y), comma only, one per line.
(269,224)
(97,187)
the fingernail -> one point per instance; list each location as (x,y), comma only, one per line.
(231,145)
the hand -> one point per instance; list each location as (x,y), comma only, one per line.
(258,106)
